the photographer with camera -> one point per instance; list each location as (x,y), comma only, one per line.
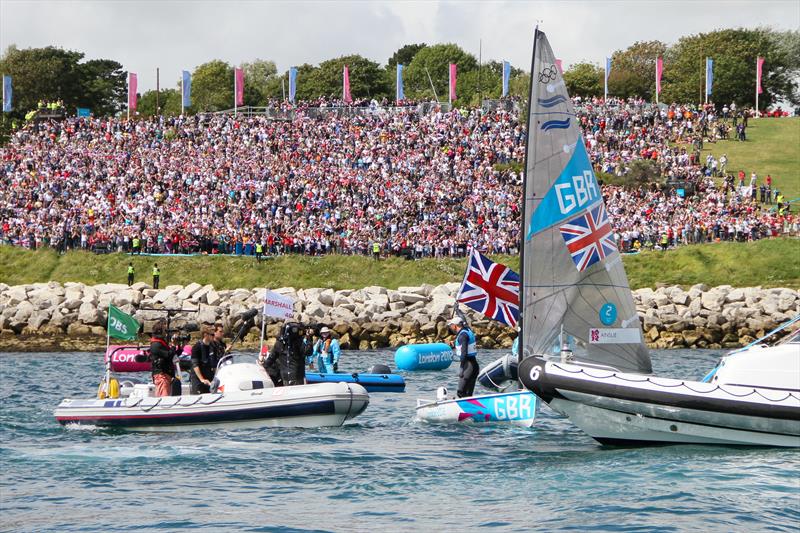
(204,362)
(161,357)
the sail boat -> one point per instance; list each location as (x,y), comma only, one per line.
(574,283)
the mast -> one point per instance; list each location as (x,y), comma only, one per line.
(523,216)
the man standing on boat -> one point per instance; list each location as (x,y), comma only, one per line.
(161,359)
(326,352)
(466,351)
(219,342)
(204,362)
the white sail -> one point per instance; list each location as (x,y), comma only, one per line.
(572,271)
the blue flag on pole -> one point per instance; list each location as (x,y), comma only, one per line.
(709,75)
(186,86)
(400,94)
(292,83)
(506,76)
(7,94)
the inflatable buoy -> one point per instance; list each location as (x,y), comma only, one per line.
(433,356)
(113,388)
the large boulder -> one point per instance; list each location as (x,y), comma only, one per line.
(412,298)
(326,297)
(713,300)
(213,298)
(189,291)
(90,315)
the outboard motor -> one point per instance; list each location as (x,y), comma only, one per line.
(380,369)
(500,374)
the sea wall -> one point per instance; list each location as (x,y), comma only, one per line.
(72,316)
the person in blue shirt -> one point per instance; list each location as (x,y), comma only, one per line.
(326,352)
(466,351)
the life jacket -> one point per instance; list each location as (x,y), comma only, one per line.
(130,270)
(472,347)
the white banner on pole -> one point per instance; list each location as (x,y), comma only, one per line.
(278,306)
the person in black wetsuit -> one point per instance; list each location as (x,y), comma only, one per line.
(204,362)
(285,363)
(467,352)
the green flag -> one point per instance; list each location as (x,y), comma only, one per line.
(121,325)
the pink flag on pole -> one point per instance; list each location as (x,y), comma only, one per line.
(759,71)
(452,81)
(238,82)
(132,88)
(346,86)
(558,64)
(659,72)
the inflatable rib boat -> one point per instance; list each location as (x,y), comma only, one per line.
(518,408)
(245,397)
(371,382)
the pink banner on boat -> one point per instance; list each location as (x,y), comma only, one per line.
(659,72)
(123,358)
(452,81)
(132,88)
(346,86)
(560,68)
(238,79)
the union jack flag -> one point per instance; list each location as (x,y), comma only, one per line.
(588,237)
(491,289)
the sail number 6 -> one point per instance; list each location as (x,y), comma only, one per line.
(535,371)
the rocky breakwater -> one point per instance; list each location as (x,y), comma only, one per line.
(72,316)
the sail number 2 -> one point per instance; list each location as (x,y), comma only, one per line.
(580,192)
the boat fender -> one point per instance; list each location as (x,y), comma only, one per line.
(113,388)
(101,391)
(214,385)
(380,369)
(441,394)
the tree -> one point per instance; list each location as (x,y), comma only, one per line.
(260,76)
(367,79)
(734,52)
(169,100)
(633,70)
(404,55)
(104,86)
(434,60)
(212,86)
(584,79)
(47,74)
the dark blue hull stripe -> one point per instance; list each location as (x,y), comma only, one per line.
(324,407)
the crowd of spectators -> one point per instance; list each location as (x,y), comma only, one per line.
(425,184)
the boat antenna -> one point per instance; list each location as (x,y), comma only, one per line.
(521,353)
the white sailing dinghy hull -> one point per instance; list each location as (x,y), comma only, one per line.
(631,409)
(517,408)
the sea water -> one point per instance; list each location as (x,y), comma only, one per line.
(382,471)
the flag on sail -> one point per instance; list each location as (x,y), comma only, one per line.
(759,72)
(121,325)
(186,89)
(709,75)
(605,85)
(292,83)
(452,82)
(399,89)
(491,289)
(346,86)
(659,72)
(132,87)
(8,94)
(238,86)
(506,77)
(588,237)
(560,66)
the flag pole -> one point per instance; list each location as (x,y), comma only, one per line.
(263,322)
(129,95)
(283,88)
(182,93)
(108,343)
(757,80)
(656,80)
(705,91)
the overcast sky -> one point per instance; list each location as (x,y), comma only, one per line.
(176,35)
